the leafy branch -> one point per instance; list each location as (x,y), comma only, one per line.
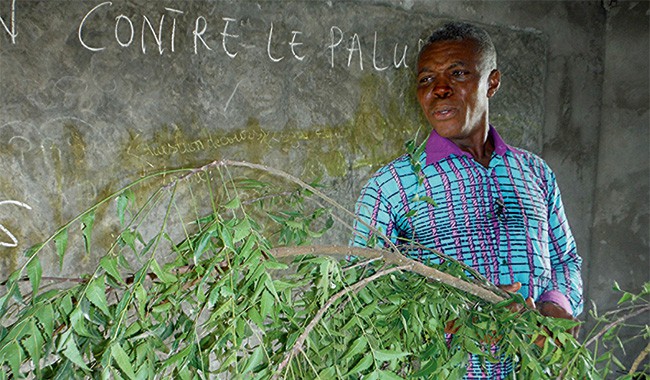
(221,277)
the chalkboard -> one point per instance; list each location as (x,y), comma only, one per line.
(95,94)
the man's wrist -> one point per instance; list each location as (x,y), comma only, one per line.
(556,298)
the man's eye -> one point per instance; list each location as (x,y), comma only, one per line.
(459,73)
(425,80)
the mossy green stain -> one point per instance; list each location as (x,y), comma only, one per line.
(376,133)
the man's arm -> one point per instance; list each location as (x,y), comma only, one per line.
(373,214)
(565,288)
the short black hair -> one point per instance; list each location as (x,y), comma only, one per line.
(460,31)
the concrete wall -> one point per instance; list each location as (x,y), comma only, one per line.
(619,248)
(590,107)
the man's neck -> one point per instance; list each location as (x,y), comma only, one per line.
(481,149)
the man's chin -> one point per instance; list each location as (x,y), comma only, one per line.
(446,130)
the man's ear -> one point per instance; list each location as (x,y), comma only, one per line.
(494,81)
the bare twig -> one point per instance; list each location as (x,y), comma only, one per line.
(298,345)
(615,323)
(53,279)
(639,359)
(362,263)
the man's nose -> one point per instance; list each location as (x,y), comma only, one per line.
(442,90)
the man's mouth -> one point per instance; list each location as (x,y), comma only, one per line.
(444,113)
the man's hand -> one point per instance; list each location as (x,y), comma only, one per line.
(551,309)
(451,326)
(547,309)
(516,307)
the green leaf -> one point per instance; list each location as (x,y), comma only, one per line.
(427,369)
(386,355)
(72,353)
(45,316)
(123,201)
(255,316)
(13,355)
(162,274)
(203,244)
(327,373)
(161,307)
(181,356)
(368,309)
(294,224)
(411,214)
(356,348)
(87,221)
(233,203)
(109,264)
(61,243)
(129,237)
(122,359)
(34,345)
(618,363)
(429,200)
(254,360)
(409,145)
(78,323)
(374,375)
(96,293)
(242,229)
(266,304)
(626,297)
(362,365)
(471,347)
(34,272)
(388,375)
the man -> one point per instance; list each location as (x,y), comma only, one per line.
(497,208)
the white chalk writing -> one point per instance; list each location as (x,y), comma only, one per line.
(117,28)
(14,241)
(340,42)
(268,47)
(355,45)
(292,45)
(11,30)
(225,35)
(162,30)
(83,22)
(174,26)
(199,35)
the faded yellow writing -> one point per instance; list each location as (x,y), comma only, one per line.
(181,145)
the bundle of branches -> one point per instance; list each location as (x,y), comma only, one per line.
(222,282)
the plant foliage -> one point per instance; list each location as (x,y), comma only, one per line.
(193,287)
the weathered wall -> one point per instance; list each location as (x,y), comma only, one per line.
(76,123)
(620,238)
(96,94)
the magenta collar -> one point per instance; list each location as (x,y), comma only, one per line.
(438,147)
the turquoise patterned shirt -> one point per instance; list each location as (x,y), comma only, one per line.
(506,221)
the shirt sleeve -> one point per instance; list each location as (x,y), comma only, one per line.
(373,215)
(565,288)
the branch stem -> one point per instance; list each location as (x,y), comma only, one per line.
(393,258)
(615,323)
(639,359)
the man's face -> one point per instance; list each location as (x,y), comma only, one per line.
(453,88)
